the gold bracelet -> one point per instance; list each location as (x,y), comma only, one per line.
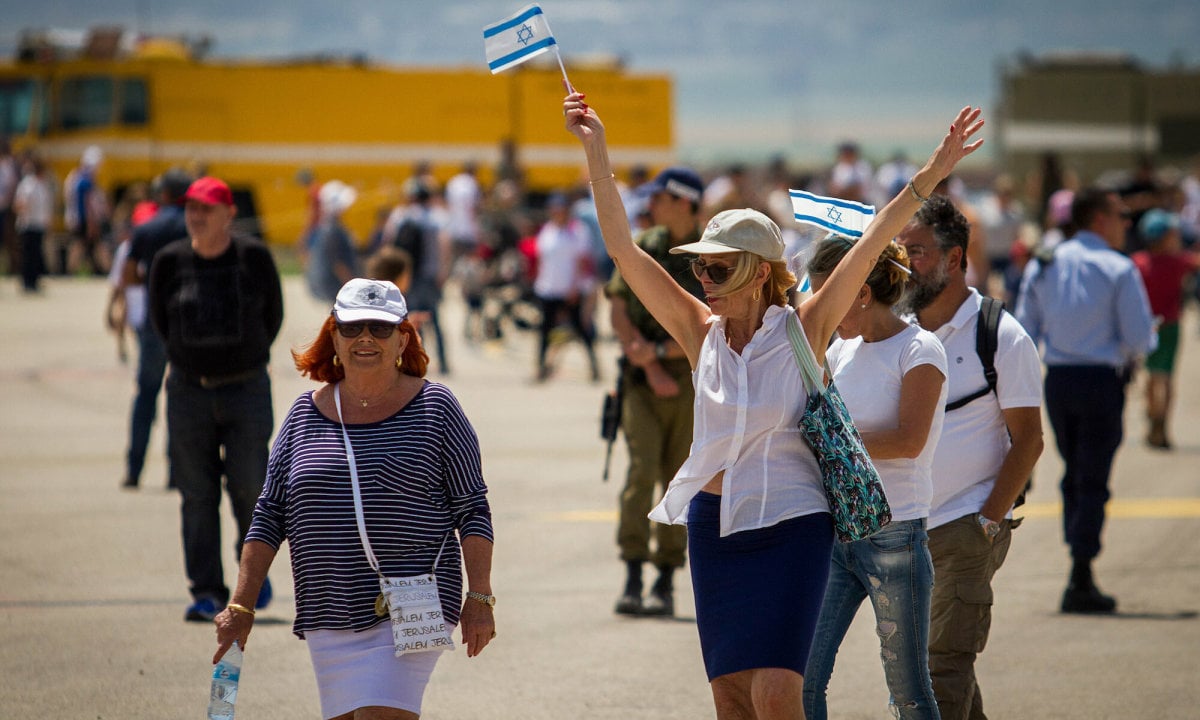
(240,609)
(610,176)
(916,195)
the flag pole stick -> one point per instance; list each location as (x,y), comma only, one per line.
(562,67)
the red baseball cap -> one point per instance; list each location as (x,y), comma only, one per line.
(210,191)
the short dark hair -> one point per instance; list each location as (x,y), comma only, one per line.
(174,184)
(950,227)
(390,263)
(1089,203)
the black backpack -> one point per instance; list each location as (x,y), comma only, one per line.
(410,237)
(987,333)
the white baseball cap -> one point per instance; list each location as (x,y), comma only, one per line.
(361,299)
(335,197)
(92,156)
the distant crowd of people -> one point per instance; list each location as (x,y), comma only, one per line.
(30,202)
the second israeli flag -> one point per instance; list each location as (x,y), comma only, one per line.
(844,217)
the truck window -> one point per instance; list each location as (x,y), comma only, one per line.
(85,102)
(134,102)
(16,105)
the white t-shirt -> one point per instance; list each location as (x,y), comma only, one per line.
(869,376)
(975,437)
(746,411)
(562,253)
(135,294)
(462,202)
(36,198)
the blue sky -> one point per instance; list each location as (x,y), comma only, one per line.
(751,77)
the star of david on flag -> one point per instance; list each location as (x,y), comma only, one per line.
(516,39)
(844,217)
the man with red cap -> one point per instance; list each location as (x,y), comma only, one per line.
(215,299)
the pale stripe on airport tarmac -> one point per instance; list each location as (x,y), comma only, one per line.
(1122,508)
(1125,508)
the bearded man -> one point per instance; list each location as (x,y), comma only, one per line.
(986,452)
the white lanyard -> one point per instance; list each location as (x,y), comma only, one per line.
(358,505)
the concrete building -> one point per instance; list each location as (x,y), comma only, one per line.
(1098,112)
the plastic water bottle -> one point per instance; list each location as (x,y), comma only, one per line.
(225,684)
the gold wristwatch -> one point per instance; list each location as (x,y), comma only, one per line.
(489,600)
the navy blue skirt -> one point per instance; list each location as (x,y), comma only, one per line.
(758,592)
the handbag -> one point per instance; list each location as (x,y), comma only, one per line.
(412,601)
(856,498)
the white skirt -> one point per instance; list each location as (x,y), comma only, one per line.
(360,669)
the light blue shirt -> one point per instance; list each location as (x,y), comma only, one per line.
(1088,306)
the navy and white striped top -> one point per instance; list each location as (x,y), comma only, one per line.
(420,476)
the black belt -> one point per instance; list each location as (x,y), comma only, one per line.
(210,382)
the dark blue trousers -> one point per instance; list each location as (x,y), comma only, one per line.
(152,365)
(1085,404)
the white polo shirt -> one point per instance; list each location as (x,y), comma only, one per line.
(746,411)
(974,438)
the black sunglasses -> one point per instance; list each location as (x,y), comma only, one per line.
(378,329)
(717,273)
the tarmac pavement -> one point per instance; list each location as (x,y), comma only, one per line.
(92,588)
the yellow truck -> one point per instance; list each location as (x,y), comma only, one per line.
(256,124)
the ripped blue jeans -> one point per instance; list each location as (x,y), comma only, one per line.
(893,569)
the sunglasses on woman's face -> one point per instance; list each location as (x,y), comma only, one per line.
(378,329)
(717,273)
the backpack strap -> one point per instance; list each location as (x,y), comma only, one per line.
(987,339)
(987,333)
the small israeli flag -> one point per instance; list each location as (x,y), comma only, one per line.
(516,39)
(843,217)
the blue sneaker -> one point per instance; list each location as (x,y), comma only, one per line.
(204,609)
(264,595)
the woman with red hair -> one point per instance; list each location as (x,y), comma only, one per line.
(374,479)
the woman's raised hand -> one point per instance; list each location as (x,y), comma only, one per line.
(581,121)
(956,144)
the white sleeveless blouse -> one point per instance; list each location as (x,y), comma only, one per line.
(746,411)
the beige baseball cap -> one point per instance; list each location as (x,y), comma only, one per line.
(741,230)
